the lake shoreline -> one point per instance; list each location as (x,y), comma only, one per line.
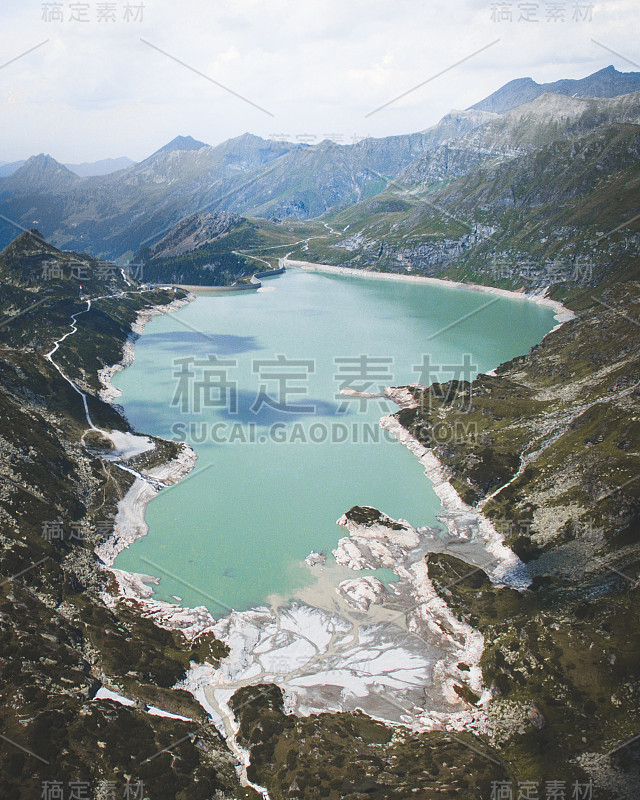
(561,312)
(108,393)
(129,523)
(237,628)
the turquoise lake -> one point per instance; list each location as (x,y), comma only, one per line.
(280,451)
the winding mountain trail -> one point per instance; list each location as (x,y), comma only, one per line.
(125,444)
(281,260)
(305,242)
(49,357)
(248,255)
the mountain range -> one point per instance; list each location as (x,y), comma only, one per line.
(115,215)
(86,169)
(118,214)
(607,82)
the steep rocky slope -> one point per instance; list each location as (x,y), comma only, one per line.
(117,214)
(60,642)
(564,215)
(546,119)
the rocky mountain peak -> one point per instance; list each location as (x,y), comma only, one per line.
(43,172)
(181,143)
(29,240)
(607,82)
(42,162)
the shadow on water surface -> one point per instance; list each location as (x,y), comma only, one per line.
(263,410)
(219,343)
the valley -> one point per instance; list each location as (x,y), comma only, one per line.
(492,638)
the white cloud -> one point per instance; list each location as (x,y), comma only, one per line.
(95,90)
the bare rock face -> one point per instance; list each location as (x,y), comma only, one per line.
(536,718)
(607,82)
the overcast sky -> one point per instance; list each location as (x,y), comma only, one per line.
(319,67)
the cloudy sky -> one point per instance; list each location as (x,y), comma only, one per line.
(113,86)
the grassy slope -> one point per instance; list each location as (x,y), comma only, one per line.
(351,756)
(573,399)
